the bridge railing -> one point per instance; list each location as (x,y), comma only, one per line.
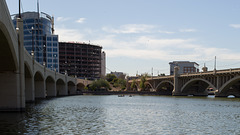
(42,68)
(153,78)
(213,72)
(193,74)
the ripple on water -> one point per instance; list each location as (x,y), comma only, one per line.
(109,115)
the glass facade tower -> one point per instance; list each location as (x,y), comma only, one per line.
(39,38)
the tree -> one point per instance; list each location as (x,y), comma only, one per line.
(142,82)
(133,84)
(99,84)
(162,74)
(122,83)
(110,77)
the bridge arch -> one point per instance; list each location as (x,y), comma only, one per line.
(231,87)
(197,86)
(8,57)
(80,87)
(50,87)
(71,88)
(39,85)
(135,87)
(148,87)
(61,87)
(165,87)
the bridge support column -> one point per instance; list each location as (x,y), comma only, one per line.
(21,71)
(12,84)
(176,90)
(217,94)
(11,98)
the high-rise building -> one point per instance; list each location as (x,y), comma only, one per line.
(39,38)
(81,60)
(103,64)
(184,67)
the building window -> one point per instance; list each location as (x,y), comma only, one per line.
(49,39)
(55,44)
(49,49)
(55,39)
(54,49)
(49,44)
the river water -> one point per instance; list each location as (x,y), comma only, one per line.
(137,115)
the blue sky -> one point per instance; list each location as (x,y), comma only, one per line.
(138,35)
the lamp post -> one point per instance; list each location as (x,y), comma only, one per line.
(55,62)
(19,9)
(44,54)
(65,66)
(32,53)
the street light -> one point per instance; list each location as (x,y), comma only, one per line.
(32,53)
(55,62)
(44,54)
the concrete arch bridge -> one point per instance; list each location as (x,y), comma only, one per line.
(21,77)
(221,83)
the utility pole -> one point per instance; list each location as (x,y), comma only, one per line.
(38,31)
(19,9)
(215,63)
(152,72)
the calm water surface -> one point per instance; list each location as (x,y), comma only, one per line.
(110,115)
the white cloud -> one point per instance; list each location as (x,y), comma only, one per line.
(162,49)
(130,28)
(69,35)
(81,20)
(161,43)
(148,47)
(237,26)
(187,30)
(61,19)
(166,32)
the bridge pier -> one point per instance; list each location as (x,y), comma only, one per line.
(176,90)
(11,98)
(220,95)
(236,95)
(204,93)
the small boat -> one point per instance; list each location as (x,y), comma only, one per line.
(130,95)
(120,95)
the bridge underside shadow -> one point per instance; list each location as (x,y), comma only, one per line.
(71,88)
(39,86)
(61,88)
(196,88)
(50,87)
(7,61)
(147,88)
(134,88)
(11,96)
(165,89)
(233,88)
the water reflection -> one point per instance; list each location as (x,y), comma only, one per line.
(127,115)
